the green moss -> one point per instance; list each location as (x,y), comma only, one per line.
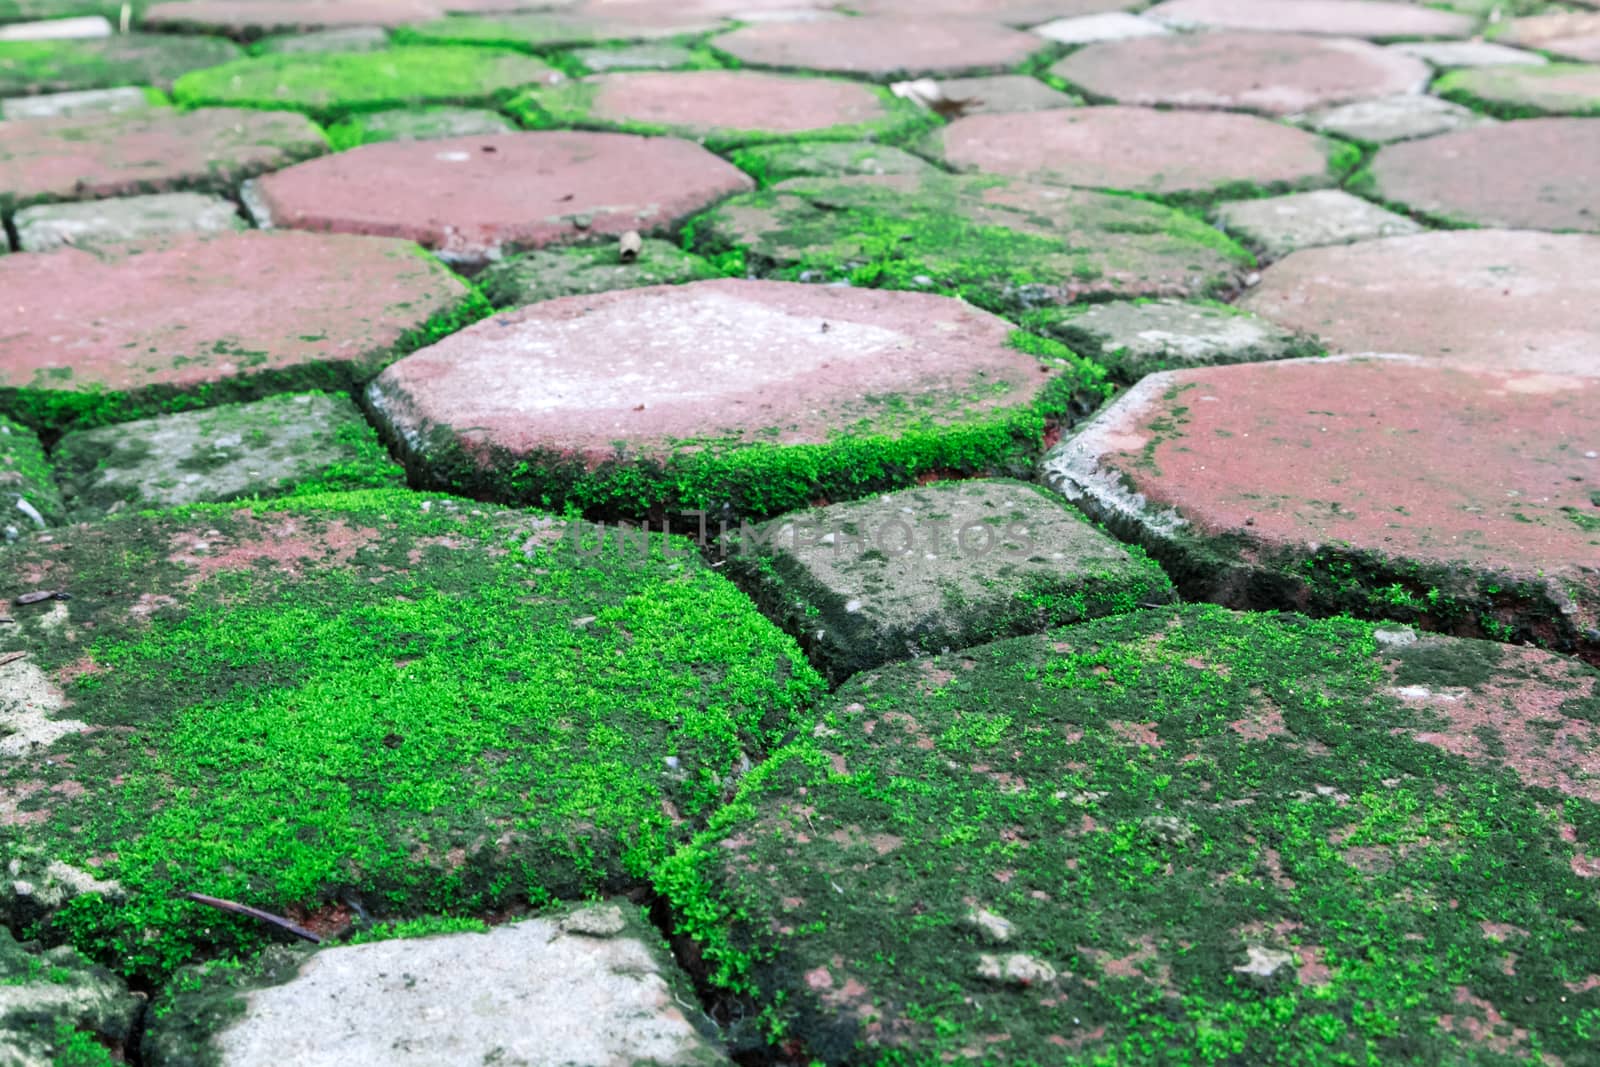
(25,474)
(418,124)
(1519,92)
(551,273)
(28,67)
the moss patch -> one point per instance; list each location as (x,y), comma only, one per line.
(57,1008)
(772,163)
(28,67)
(545,275)
(419,124)
(25,475)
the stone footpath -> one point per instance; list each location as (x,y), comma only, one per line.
(595,532)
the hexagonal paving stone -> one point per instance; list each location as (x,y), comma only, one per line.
(548,30)
(295,443)
(1569,34)
(1373,19)
(1004,245)
(1089,29)
(1143,150)
(723,108)
(1009,12)
(932,569)
(451,706)
(1485,298)
(472,198)
(1273,73)
(1132,338)
(1361,485)
(1002,92)
(1515,92)
(1452,54)
(209,318)
(1279,225)
(327,85)
(826,159)
(248,19)
(351,39)
(1393,118)
(106,222)
(1536,174)
(1118,839)
(76,29)
(742,397)
(28,495)
(86,102)
(635,57)
(146,151)
(882,48)
(545,275)
(416,124)
(28,67)
(55,1004)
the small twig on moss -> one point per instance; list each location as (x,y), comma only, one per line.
(255,913)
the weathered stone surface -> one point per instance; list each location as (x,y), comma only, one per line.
(328,85)
(1132,338)
(472,198)
(1273,73)
(1452,54)
(1393,118)
(29,499)
(302,442)
(1372,19)
(56,1006)
(942,567)
(1089,29)
(417,124)
(545,30)
(1567,34)
(743,397)
(1279,225)
(28,67)
(249,19)
(1009,12)
(147,151)
(1515,92)
(612,998)
(1003,92)
(71,29)
(1004,245)
(826,159)
(258,310)
(1143,150)
(86,102)
(105,222)
(1486,298)
(350,39)
(723,108)
(1536,174)
(884,48)
(1392,491)
(413,697)
(535,276)
(634,57)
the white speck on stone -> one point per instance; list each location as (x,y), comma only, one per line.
(452,157)
(1017,969)
(996,928)
(852,606)
(1264,962)
(1395,638)
(29,702)
(600,920)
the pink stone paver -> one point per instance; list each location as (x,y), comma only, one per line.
(1374,19)
(881,47)
(472,197)
(1273,73)
(698,102)
(1570,35)
(103,155)
(543,30)
(1538,174)
(252,18)
(1009,12)
(1138,149)
(1556,89)
(1472,298)
(1384,459)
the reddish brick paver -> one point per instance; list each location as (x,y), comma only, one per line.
(1375,19)
(882,48)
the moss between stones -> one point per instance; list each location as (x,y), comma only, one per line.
(1516,93)
(420,124)
(28,67)
(549,273)
(57,1008)
(769,164)
(25,475)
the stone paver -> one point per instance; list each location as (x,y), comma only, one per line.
(83,28)
(328,85)
(884,48)
(599,980)
(1486,298)
(29,499)
(28,67)
(349,39)
(535,276)
(249,19)
(1110,26)
(826,159)
(1279,225)
(147,151)
(453,701)
(1569,35)
(1143,150)
(416,124)
(755,397)
(106,222)
(1515,92)
(545,31)
(1117,839)
(1009,12)
(1002,92)
(85,102)
(1373,19)
(1393,118)
(1272,73)
(1132,338)
(1534,174)
(302,442)
(928,570)
(473,198)
(1380,511)
(1004,245)
(258,310)
(56,1006)
(723,108)
(634,57)
(1452,54)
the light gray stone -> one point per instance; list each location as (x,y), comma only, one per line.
(1108,26)
(132,218)
(83,102)
(1452,54)
(1003,92)
(1392,118)
(419,124)
(1262,962)
(40,992)
(1280,224)
(344,39)
(635,57)
(73,29)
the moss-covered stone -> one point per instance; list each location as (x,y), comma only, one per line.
(547,31)
(28,496)
(638,57)
(28,67)
(1522,92)
(59,1010)
(771,163)
(420,124)
(346,39)
(545,275)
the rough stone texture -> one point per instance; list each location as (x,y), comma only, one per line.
(258,309)
(1569,34)
(1393,118)
(1452,54)
(28,67)
(827,159)
(1536,174)
(535,276)
(1005,245)
(351,39)
(543,31)
(85,28)
(1273,73)
(103,222)
(472,198)
(634,57)
(1089,29)
(1142,150)
(1009,12)
(419,124)
(1372,19)
(1003,92)
(1383,489)
(28,496)
(248,19)
(290,443)
(1281,224)
(884,48)
(139,152)
(1485,298)
(86,102)
(55,1006)
(927,570)
(1515,92)
(1132,338)
(611,998)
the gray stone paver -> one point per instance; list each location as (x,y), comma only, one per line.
(1452,54)
(106,222)
(1002,92)
(1110,26)
(1281,224)
(83,102)
(1393,118)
